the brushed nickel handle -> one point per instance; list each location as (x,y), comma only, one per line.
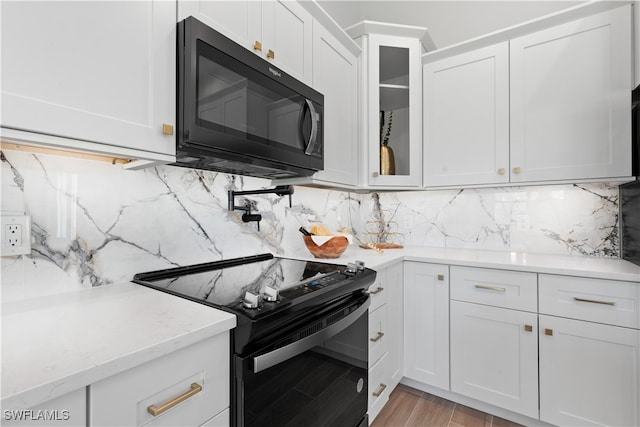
(517,169)
(501,171)
(195,389)
(167,129)
(528,328)
(377,338)
(491,288)
(257,46)
(377,291)
(440,276)
(548,331)
(271,54)
(379,391)
(593,301)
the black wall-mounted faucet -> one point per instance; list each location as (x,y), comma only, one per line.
(247,216)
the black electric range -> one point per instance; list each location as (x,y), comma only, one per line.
(290,313)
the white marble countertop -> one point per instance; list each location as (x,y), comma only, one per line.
(595,267)
(56,344)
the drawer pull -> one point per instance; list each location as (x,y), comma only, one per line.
(377,291)
(271,54)
(195,389)
(528,328)
(377,338)
(548,331)
(440,276)
(593,301)
(491,288)
(257,46)
(379,391)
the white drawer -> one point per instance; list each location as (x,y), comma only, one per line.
(124,399)
(500,288)
(220,420)
(596,300)
(377,330)
(378,387)
(67,410)
(378,291)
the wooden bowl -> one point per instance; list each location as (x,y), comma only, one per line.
(332,248)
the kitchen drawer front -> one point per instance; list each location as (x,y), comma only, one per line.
(500,288)
(378,387)
(378,290)
(124,399)
(67,410)
(220,420)
(377,331)
(596,300)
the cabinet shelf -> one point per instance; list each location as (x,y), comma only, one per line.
(394,97)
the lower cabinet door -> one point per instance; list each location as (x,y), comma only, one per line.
(589,373)
(494,356)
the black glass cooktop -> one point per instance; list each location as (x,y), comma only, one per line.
(224,283)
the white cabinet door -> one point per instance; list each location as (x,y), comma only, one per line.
(98,72)
(335,75)
(426,323)
(589,373)
(494,356)
(279,31)
(570,97)
(395,291)
(466,118)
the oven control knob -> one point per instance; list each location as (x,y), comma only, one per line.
(251,300)
(351,269)
(360,265)
(270,294)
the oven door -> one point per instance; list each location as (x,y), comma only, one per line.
(315,375)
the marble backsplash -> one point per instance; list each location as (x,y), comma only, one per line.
(94,223)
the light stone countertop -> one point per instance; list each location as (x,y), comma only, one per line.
(56,344)
(569,265)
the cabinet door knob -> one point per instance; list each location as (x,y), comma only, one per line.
(501,171)
(548,331)
(440,276)
(271,54)
(517,169)
(167,129)
(257,46)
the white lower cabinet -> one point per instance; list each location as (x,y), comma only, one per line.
(385,337)
(187,387)
(494,356)
(67,410)
(426,323)
(589,351)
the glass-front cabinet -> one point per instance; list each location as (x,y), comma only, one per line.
(392,103)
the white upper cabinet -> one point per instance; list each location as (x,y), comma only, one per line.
(570,100)
(466,118)
(335,75)
(91,76)
(392,103)
(279,31)
(550,104)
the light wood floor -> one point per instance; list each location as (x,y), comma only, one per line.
(411,407)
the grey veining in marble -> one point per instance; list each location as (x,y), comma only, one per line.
(94,223)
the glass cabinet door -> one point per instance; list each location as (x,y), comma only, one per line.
(395,106)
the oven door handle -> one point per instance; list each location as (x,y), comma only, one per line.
(267,360)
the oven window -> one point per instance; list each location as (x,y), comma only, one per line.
(324,386)
(236,99)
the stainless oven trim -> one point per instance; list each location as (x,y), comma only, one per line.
(267,360)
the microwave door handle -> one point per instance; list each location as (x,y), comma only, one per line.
(313,136)
(266,361)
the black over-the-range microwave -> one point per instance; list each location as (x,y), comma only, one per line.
(239,114)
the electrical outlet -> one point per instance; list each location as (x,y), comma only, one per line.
(16,235)
(523,222)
